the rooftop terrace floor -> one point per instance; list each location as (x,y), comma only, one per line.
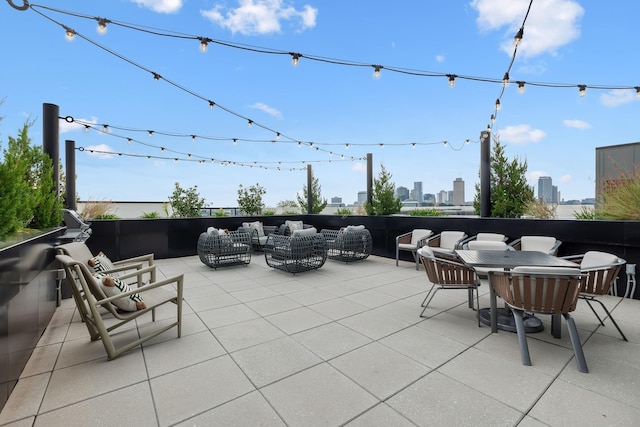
(343,345)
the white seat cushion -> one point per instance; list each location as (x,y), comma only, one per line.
(417,234)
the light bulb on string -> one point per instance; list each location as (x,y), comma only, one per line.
(295,57)
(376,71)
(452,80)
(505,80)
(637,88)
(102,25)
(582,90)
(520,87)
(150,133)
(156,76)
(498,105)
(518,37)
(211,105)
(204,44)
(69,33)
(250,122)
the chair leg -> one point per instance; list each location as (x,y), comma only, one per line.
(575,342)
(397,255)
(417,258)
(478,305)
(428,298)
(522,337)
(608,315)
(594,311)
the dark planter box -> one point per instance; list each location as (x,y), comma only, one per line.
(28,297)
(177,237)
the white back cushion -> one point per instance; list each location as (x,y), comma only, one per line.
(418,234)
(425,251)
(294,225)
(487,245)
(597,259)
(546,270)
(491,237)
(448,239)
(537,243)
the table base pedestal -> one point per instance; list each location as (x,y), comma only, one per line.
(506,322)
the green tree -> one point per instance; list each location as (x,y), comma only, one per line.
(510,194)
(250,199)
(47,209)
(186,203)
(317,202)
(383,198)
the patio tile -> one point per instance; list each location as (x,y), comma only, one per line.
(439,400)
(613,348)
(374,324)
(338,308)
(330,340)
(380,415)
(271,361)
(86,380)
(371,298)
(193,390)
(246,334)
(311,296)
(167,356)
(227,316)
(510,382)
(297,320)
(211,301)
(319,396)
(254,294)
(134,404)
(25,399)
(617,381)
(273,305)
(584,408)
(248,410)
(43,359)
(426,347)
(455,327)
(378,369)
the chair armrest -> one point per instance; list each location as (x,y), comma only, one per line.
(178,280)
(404,238)
(138,273)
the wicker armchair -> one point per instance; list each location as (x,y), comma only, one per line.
(218,250)
(258,232)
(348,245)
(302,251)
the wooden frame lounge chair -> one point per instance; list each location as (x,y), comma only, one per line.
(412,241)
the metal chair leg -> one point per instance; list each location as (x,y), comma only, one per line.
(575,342)
(522,337)
(608,315)
(430,296)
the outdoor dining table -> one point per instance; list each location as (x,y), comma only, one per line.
(503,318)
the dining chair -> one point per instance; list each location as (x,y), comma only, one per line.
(447,274)
(601,270)
(412,241)
(541,290)
(545,244)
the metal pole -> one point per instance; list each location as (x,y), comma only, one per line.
(369,178)
(309,193)
(485,174)
(51,139)
(70,162)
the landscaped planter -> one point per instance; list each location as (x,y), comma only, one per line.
(28,299)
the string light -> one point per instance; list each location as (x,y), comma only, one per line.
(498,105)
(150,133)
(376,71)
(211,105)
(520,86)
(637,88)
(452,80)
(582,90)
(102,25)
(250,122)
(505,80)
(518,37)
(156,76)
(204,44)
(69,33)
(295,57)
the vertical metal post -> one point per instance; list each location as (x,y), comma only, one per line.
(51,139)
(369,178)
(485,174)
(70,162)
(309,192)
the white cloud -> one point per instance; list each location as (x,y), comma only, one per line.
(160,6)
(359,167)
(565,178)
(534,175)
(269,110)
(65,127)
(101,151)
(521,134)
(576,124)
(260,16)
(617,97)
(550,24)
(440,58)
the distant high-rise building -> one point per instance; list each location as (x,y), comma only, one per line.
(417,191)
(362,198)
(458,192)
(403,193)
(450,197)
(554,194)
(430,198)
(545,189)
(336,200)
(442,197)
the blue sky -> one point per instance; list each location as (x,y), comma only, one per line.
(330,105)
